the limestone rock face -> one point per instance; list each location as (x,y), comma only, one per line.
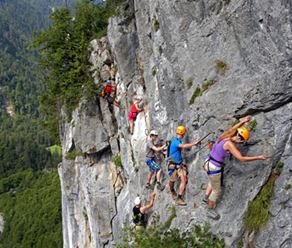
(197,63)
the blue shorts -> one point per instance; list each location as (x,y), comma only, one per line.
(153,167)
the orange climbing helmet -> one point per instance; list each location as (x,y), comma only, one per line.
(181,130)
(243,132)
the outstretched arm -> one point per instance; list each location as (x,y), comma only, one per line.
(233,129)
(158,149)
(236,153)
(189,145)
(150,205)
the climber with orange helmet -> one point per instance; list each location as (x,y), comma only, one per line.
(176,168)
(223,147)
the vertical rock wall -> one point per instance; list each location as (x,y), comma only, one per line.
(166,50)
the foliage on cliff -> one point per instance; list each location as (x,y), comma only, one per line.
(160,235)
(64,49)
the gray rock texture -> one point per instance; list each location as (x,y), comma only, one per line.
(239,54)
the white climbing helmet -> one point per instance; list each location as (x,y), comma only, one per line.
(153,132)
(138,97)
(137,200)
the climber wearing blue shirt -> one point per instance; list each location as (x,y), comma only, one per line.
(176,168)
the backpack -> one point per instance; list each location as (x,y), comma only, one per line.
(102,93)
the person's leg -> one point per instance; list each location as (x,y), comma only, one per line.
(171,186)
(131,126)
(159,184)
(207,194)
(183,182)
(158,176)
(182,186)
(215,181)
(208,190)
(172,180)
(149,177)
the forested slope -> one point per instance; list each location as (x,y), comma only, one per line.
(29,196)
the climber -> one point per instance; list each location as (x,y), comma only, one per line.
(224,146)
(153,159)
(109,93)
(139,212)
(176,168)
(135,109)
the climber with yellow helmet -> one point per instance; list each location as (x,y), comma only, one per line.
(176,168)
(224,146)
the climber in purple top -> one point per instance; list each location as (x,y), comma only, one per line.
(225,145)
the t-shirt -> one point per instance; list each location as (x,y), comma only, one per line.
(175,150)
(149,151)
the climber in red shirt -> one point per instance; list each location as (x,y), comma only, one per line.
(135,109)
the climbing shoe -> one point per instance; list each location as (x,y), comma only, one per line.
(160,186)
(180,201)
(148,186)
(173,194)
(211,213)
(204,201)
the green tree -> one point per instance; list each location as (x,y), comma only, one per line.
(64,49)
(31,204)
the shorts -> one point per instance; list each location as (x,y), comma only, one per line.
(215,181)
(153,167)
(181,171)
(132,116)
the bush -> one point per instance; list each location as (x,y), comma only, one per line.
(258,211)
(160,50)
(252,125)
(200,90)
(55,149)
(73,154)
(160,235)
(118,160)
(197,92)
(189,82)
(207,84)
(221,66)
(156,24)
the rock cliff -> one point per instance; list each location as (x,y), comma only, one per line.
(202,64)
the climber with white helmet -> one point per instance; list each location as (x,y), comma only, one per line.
(137,106)
(152,160)
(176,168)
(139,212)
(224,146)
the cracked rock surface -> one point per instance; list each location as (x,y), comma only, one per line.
(239,57)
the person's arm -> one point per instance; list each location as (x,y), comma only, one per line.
(233,129)
(137,106)
(150,205)
(158,149)
(189,145)
(236,153)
